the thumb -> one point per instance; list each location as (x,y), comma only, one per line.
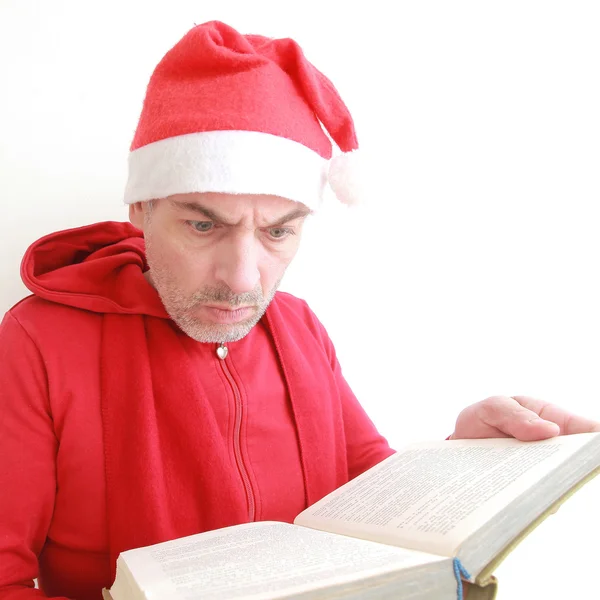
(511,418)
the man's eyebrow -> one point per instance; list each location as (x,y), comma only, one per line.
(297,213)
(206,212)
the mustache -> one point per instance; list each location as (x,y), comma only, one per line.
(223,295)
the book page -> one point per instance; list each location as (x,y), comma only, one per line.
(432,496)
(259,561)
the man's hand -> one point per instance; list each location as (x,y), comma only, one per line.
(522,417)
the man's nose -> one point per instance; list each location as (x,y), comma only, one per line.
(237,263)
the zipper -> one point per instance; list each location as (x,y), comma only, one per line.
(237,446)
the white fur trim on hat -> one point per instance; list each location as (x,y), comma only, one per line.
(235,162)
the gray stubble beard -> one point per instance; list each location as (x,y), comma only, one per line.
(180,309)
(217,332)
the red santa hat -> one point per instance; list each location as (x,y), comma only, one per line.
(226,112)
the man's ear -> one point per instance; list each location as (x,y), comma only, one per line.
(136,214)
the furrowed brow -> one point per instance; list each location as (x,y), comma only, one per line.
(297,213)
(201,210)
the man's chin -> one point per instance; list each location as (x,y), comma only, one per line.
(216,333)
(203,325)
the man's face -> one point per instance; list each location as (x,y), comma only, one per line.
(216,260)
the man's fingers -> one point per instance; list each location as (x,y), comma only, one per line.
(576,424)
(522,417)
(568,422)
(514,419)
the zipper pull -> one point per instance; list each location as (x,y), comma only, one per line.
(222,351)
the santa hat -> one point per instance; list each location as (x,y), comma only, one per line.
(226,112)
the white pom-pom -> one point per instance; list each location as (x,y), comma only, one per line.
(346,178)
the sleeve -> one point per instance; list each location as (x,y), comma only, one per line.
(365,445)
(28,449)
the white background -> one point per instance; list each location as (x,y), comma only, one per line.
(472,270)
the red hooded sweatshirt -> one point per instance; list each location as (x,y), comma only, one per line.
(117,430)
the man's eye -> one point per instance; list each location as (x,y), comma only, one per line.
(278,233)
(202,226)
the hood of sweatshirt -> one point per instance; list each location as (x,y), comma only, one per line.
(98,267)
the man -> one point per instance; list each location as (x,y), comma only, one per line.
(155,385)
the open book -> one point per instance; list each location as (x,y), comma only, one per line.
(412,527)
